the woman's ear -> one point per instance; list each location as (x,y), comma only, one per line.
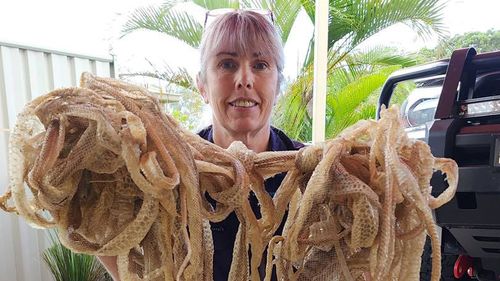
(201,87)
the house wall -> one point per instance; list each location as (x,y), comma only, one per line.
(26,73)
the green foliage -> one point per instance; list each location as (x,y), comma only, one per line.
(68,266)
(353,21)
(350,23)
(482,41)
(401,92)
(217,4)
(357,20)
(179,24)
(347,106)
(165,19)
(290,114)
(379,56)
(188,111)
(352,92)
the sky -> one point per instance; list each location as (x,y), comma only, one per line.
(92,27)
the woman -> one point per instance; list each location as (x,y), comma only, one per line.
(241,71)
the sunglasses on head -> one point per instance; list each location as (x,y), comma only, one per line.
(213,14)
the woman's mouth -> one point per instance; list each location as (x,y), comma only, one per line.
(243,103)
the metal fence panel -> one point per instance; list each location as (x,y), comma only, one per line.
(26,73)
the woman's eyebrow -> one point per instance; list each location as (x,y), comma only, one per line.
(232,54)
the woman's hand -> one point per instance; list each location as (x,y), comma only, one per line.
(109,262)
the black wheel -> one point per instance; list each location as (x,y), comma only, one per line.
(447,264)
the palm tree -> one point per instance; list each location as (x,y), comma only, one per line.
(351,80)
(182,25)
(350,23)
(352,91)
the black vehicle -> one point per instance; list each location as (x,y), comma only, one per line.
(455,108)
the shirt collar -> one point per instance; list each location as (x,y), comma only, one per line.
(275,142)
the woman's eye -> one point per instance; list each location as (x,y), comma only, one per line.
(227,64)
(261,66)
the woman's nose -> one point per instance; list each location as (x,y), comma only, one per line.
(244,78)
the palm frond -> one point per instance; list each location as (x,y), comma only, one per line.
(344,105)
(366,70)
(364,18)
(180,78)
(359,63)
(380,56)
(290,113)
(309,6)
(353,21)
(364,111)
(308,58)
(285,14)
(255,4)
(217,4)
(178,24)
(339,77)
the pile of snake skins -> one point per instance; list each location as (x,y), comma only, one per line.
(118,177)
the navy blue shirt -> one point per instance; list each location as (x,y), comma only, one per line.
(224,232)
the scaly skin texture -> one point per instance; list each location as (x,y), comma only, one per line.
(117,176)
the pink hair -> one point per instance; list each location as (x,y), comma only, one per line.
(248,32)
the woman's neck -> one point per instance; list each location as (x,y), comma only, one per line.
(257,141)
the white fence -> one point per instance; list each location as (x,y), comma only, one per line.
(25,73)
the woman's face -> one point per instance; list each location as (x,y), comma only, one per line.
(241,89)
